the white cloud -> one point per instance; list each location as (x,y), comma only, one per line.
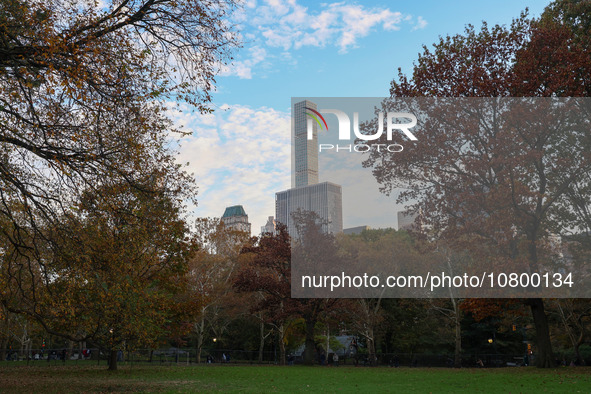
(279,7)
(243,68)
(287,25)
(421,24)
(238,155)
(282,39)
(358,22)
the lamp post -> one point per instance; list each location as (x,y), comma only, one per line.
(493,341)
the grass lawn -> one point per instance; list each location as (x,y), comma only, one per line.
(263,379)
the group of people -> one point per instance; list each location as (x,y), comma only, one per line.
(210,360)
(50,355)
(333,359)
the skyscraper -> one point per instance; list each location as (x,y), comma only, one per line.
(269,227)
(306,194)
(305,165)
(236,218)
(324,199)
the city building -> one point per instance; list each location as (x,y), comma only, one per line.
(355,230)
(270,227)
(324,199)
(236,218)
(407,221)
(306,194)
(305,164)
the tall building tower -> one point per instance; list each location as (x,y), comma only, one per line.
(269,227)
(236,218)
(305,164)
(306,194)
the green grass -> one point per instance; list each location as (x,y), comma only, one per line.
(263,379)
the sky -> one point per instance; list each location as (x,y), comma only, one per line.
(240,154)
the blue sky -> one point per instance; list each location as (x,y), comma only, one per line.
(240,154)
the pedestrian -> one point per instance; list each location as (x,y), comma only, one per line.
(335,360)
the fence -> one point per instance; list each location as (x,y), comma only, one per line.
(172,356)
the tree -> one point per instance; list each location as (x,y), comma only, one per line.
(83,91)
(266,271)
(495,182)
(410,326)
(574,316)
(556,60)
(110,272)
(314,250)
(452,309)
(370,250)
(210,277)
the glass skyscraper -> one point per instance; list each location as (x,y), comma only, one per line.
(324,199)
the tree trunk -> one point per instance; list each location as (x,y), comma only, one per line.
(4,333)
(458,348)
(3,344)
(199,349)
(70,348)
(29,349)
(200,332)
(310,348)
(457,319)
(262,342)
(281,347)
(576,342)
(113,360)
(458,345)
(545,355)
(371,347)
(327,341)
